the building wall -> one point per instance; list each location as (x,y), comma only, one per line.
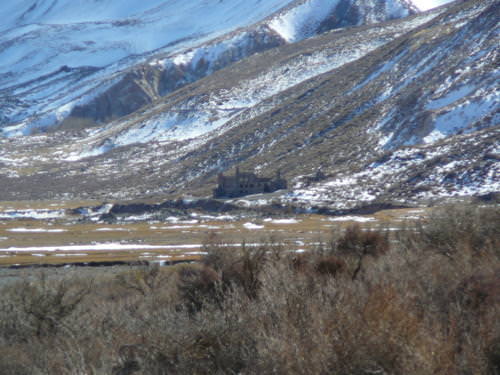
(246,183)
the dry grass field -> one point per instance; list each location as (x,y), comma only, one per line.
(26,241)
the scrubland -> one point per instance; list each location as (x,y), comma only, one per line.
(423,300)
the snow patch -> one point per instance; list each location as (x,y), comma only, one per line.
(359,219)
(36,230)
(451,97)
(463,116)
(252,226)
(32,214)
(282,221)
(302,21)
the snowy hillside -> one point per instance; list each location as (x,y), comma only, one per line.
(66,58)
(227,107)
(75,48)
(467,166)
(99,33)
(390,104)
(304,20)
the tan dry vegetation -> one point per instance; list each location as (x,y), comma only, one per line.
(356,305)
(309,230)
(60,257)
(45,204)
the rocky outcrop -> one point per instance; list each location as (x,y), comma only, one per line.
(366,12)
(157,78)
(135,90)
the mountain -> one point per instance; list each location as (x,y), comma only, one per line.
(395,106)
(98,60)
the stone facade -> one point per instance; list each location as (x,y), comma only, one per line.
(247,183)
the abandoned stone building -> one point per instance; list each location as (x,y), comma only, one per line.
(244,183)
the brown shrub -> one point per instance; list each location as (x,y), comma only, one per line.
(217,255)
(300,262)
(40,307)
(356,245)
(359,242)
(14,361)
(245,271)
(145,280)
(451,229)
(479,291)
(251,311)
(238,268)
(493,355)
(198,285)
(329,266)
(129,362)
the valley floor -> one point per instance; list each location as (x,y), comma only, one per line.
(36,233)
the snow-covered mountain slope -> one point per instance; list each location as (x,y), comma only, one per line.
(393,112)
(41,36)
(428,90)
(465,165)
(240,93)
(74,48)
(99,60)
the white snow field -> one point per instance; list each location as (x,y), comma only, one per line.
(45,35)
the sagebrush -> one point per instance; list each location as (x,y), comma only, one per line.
(425,301)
